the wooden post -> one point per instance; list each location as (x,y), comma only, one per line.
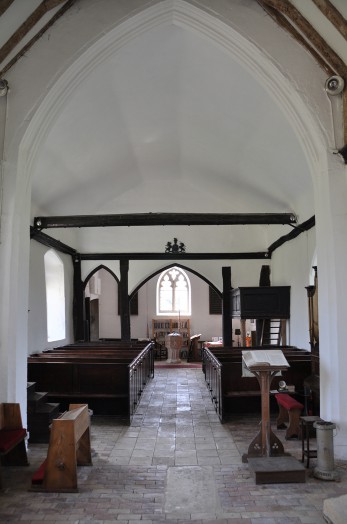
(125,312)
(226,314)
(243,331)
(78,300)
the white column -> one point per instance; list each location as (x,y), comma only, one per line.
(14,285)
(331,228)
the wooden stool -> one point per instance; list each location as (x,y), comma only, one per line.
(307,427)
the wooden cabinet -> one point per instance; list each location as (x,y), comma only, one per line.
(164,326)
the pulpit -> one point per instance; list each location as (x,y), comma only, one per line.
(173,343)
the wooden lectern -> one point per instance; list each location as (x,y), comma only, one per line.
(265,364)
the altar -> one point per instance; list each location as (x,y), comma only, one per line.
(173,343)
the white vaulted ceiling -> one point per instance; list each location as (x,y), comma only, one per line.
(172,120)
(170,123)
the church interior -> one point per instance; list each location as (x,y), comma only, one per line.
(173,285)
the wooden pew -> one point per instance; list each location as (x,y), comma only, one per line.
(69,447)
(111,382)
(12,437)
(231,392)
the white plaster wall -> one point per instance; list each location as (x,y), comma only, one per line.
(291,266)
(109,320)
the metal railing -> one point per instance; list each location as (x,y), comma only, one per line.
(141,370)
(213,377)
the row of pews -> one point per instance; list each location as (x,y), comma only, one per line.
(109,376)
(233,392)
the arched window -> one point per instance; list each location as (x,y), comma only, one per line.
(55,296)
(173,293)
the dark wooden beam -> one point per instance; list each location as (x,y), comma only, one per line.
(333,15)
(4,5)
(46,240)
(26,26)
(290,19)
(174,256)
(256,255)
(301,228)
(283,22)
(163,219)
(313,37)
(36,37)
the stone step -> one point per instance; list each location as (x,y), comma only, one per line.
(276,470)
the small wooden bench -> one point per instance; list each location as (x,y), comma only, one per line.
(12,437)
(289,411)
(69,447)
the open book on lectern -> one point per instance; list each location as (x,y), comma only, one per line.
(267,358)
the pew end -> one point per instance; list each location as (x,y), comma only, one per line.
(69,447)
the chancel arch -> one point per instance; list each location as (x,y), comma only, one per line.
(36,123)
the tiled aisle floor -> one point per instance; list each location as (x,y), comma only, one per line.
(175,464)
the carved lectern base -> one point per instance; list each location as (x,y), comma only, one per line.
(264,364)
(274,447)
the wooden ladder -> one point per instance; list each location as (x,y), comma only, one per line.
(273,332)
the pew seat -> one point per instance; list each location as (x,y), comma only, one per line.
(12,437)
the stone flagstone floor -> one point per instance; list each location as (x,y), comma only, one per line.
(175,464)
